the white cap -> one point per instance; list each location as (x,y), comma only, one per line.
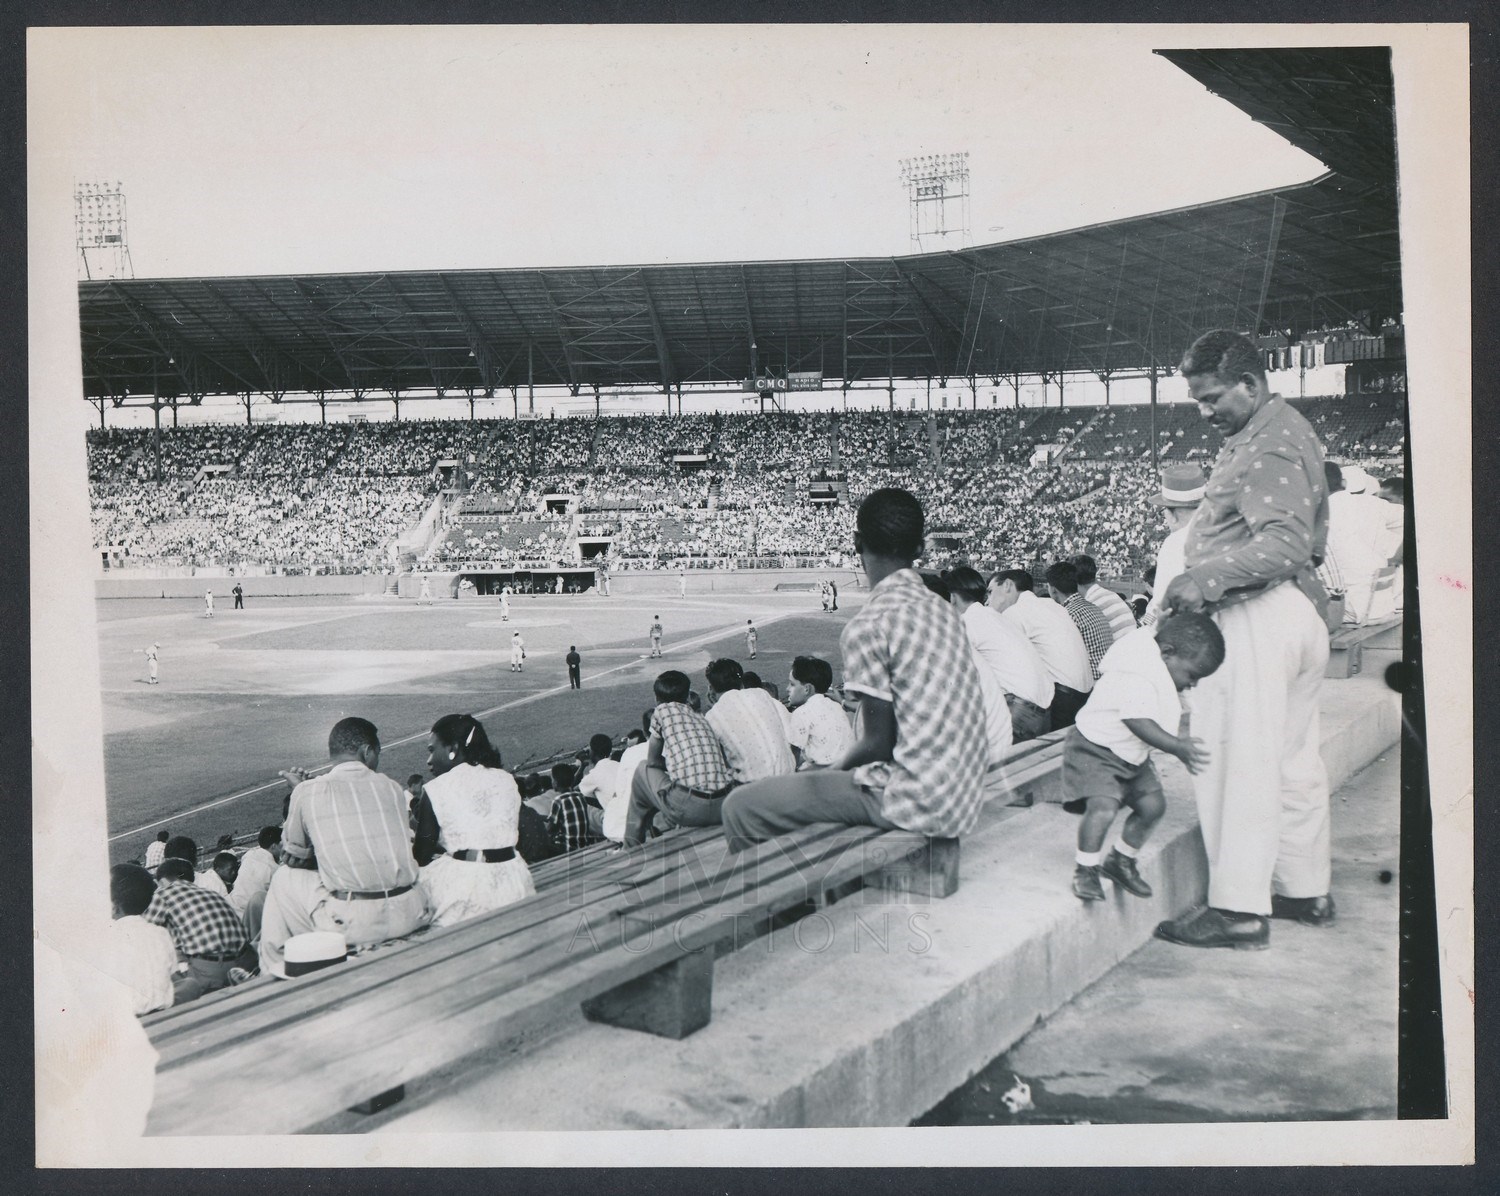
(1357,481)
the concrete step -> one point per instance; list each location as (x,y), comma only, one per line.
(866,1014)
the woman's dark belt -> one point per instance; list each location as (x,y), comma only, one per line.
(489,855)
(707,796)
(377,895)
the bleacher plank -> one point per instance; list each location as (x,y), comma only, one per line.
(355,1032)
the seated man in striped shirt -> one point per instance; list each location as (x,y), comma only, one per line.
(349,863)
(1121,617)
(920,759)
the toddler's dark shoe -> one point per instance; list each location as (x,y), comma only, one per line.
(1086,884)
(1122,870)
(1310,911)
(1076,806)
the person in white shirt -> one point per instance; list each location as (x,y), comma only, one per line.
(1360,540)
(1053,634)
(1106,756)
(819,731)
(997,728)
(253,880)
(1121,617)
(1182,488)
(748,725)
(220,875)
(157,851)
(601,780)
(630,760)
(517,652)
(139,954)
(1002,650)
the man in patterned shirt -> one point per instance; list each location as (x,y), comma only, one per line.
(1252,552)
(1092,623)
(685,778)
(920,759)
(208,933)
(347,848)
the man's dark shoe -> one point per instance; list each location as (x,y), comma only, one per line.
(1077,806)
(1086,884)
(1122,870)
(1310,911)
(1211,928)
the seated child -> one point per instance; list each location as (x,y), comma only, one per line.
(819,731)
(1106,757)
(685,778)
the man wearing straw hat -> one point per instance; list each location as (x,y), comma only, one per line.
(1251,558)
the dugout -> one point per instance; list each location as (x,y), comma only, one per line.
(488,583)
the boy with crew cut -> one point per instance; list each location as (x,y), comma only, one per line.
(819,730)
(685,777)
(919,761)
(1106,757)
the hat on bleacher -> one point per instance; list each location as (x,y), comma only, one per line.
(1181,486)
(313,951)
(1357,481)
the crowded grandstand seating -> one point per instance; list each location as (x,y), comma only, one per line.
(334,497)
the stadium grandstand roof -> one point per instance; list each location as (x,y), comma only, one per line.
(1112,297)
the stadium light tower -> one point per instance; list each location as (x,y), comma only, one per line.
(938,188)
(99,220)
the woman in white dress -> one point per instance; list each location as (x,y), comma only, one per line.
(471,810)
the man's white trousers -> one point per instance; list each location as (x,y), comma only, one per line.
(1263,800)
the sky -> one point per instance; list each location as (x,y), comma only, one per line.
(333,150)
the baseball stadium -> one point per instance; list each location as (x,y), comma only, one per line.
(298,527)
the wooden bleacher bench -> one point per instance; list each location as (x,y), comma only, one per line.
(1346,647)
(631,935)
(1032,770)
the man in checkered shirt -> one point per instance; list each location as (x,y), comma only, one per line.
(1092,623)
(208,933)
(920,759)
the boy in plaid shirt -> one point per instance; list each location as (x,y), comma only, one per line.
(685,778)
(920,759)
(568,821)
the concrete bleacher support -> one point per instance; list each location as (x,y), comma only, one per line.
(869,1011)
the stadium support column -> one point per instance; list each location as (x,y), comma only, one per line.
(1155,464)
(156,433)
(322,407)
(247,409)
(530,383)
(974,390)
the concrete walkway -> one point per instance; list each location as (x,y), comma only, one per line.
(1305,1031)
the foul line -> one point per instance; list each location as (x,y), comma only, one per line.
(693,642)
